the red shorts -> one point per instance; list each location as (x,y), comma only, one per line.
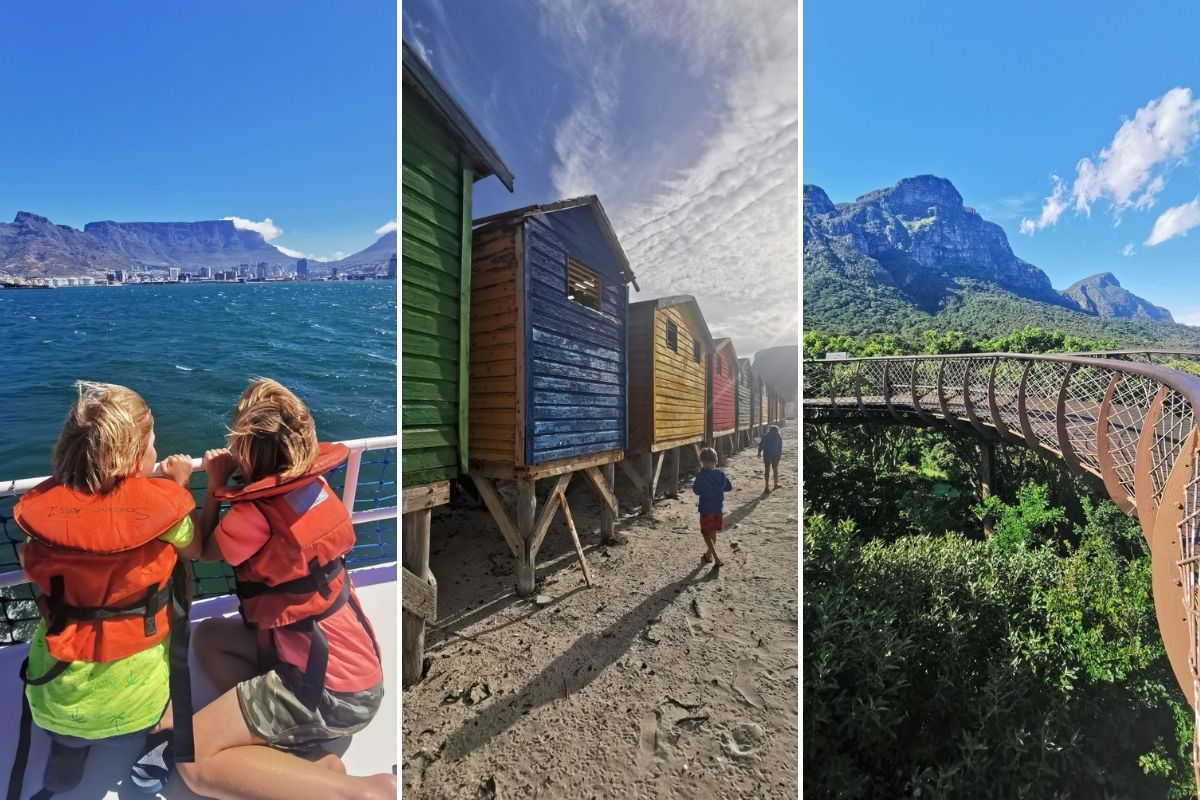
(711,523)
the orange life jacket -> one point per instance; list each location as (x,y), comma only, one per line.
(298,577)
(104,576)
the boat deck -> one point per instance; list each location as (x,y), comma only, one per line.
(369,752)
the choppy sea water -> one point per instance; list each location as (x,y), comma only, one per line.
(190,350)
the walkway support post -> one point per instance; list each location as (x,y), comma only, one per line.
(985,482)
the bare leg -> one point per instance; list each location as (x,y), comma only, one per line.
(227,651)
(234,764)
(766,476)
(711,540)
(775,469)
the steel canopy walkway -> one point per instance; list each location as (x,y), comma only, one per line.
(1126,418)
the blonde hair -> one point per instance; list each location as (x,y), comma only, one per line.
(708,456)
(103,437)
(272,432)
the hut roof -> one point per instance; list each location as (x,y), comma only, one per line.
(725,341)
(484,157)
(679,300)
(518,214)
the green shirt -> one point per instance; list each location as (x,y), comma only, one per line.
(95,701)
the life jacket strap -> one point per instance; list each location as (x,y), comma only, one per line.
(60,613)
(16,777)
(319,579)
(313,684)
(180,678)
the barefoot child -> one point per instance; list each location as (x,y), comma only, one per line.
(300,668)
(711,484)
(107,549)
(770,447)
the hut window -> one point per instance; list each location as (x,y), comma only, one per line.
(672,336)
(696,350)
(583,285)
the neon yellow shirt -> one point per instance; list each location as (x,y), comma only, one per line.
(95,701)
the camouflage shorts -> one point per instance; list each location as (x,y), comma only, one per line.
(273,711)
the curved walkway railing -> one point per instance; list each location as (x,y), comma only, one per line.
(1122,417)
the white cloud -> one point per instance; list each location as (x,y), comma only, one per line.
(720,223)
(1174,222)
(1144,149)
(1132,170)
(287,251)
(1052,208)
(387,227)
(1189,316)
(1127,250)
(267,229)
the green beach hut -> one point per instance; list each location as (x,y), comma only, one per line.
(443,154)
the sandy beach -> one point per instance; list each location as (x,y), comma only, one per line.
(667,679)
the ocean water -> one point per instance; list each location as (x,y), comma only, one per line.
(190,351)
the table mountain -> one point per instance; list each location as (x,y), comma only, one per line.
(913,257)
(1103,295)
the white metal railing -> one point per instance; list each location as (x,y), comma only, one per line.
(349,490)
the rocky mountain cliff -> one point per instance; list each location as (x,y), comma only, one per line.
(376,255)
(913,256)
(213,243)
(1104,296)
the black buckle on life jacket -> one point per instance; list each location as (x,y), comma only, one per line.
(55,607)
(155,599)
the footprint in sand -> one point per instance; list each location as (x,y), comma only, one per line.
(744,684)
(648,739)
(742,742)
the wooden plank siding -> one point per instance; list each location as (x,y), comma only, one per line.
(762,400)
(755,401)
(432,251)
(722,389)
(641,377)
(575,356)
(679,380)
(493,360)
(743,394)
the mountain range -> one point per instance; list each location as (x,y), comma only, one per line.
(32,246)
(913,257)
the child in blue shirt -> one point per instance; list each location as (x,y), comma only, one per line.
(711,484)
(770,447)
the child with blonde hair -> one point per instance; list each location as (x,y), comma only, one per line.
(301,668)
(711,484)
(108,548)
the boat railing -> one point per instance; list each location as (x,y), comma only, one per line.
(366,484)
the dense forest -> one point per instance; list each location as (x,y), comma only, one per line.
(941,663)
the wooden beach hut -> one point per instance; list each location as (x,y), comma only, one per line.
(764,413)
(549,310)
(669,347)
(745,380)
(442,156)
(722,396)
(756,418)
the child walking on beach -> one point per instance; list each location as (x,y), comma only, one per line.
(301,667)
(711,484)
(770,447)
(107,548)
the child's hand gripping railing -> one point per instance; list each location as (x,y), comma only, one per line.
(1127,419)
(372,503)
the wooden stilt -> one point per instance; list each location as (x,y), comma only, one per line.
(566,509)
(673,475)
(658,462)
(526,515)
(418,593)
(608,515)
(647,470)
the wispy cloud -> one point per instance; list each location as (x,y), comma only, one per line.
(1174,222)
(723,225)
(267,229)
(287,251)
(1133,169)
(1127,250)
(1007,208)
(387,227)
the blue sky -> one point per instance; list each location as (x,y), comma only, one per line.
(165,111)
(1002,97)
(680,116)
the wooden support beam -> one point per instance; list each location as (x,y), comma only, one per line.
(492,499)
(673,475)
(526,520)
(656,472)
(647,469)
(636,477)
(599,483)
(415,498)
(985,482)
(418,597)
(417,609)
(544,519)
(608,516)
(566,509)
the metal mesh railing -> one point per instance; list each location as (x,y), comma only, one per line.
(373,501)
(1128,418)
